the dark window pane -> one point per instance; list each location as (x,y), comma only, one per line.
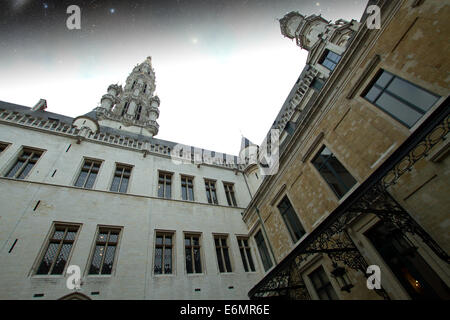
(109,260)
(124,185)
(264,253)
(188,260)
(14,169)
(160,190)
(398,110)
(48,259)
(90,180)
(197,261)
(158,260)
(113,237)
(62,259)
(384,79)
(102,236)
(71,235)
(191,194)
(219,260)
(183,193)
(168,260)
(250,259)
(227,259)
(168,191)
(412,94)
(81,179)
(168,240)
(115,184)
(243,259)
(58,235)
(25,171)
(373,94)
(96,260)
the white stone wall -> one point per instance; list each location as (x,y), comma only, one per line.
(139,213)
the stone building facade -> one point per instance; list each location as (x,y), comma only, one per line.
(362,180)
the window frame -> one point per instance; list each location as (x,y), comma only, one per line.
(246,253)
(114,175)
(385,90)
(163,246)
(5,146)
(77,177)
(324,58)
(324,286)
(230,194)
(100,229)
(185,179)
(223,256)
(287,222)
(22,168)
(165,184)
(267,255)
(192,235)
(334,191)
(48,240)
(209,190)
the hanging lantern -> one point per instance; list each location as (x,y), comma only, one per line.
(341,277)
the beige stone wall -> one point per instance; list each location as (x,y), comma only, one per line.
(413,45)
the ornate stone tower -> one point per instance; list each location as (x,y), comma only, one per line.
(133,108)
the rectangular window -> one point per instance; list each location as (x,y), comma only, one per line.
(58,250)
(401,99)
(192,252)
(187,188)
(322,285)
(211,191)
(263,252)
(317,84)
(246,254)
(291,219)
(88,174)
(223,257)
(229,192)
(163,253)
(330,60)
(334,173)
(121,178)
(165,185)
(102,259)
(24,163)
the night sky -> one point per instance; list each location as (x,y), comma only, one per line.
(222,67)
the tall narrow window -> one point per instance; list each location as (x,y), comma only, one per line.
(229,192)
(121,178)
(211,191)
(330,60)
(102,259)
(88,174)
(192,253)
(291,220)
(24,163)
(334,173)
(187,188)
(163,253)
(125,108)
(401,99)
(322,285)
(137,115)
(263,252)
(223,257)
(58,250)
(145,88)
(134,83)
(165,185)
(246,254)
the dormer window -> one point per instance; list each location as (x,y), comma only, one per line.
(330,60)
